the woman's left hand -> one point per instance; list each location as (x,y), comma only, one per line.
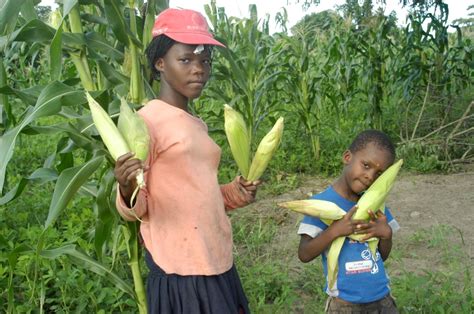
(248,188)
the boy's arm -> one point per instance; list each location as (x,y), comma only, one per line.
(310,248)
(385,247)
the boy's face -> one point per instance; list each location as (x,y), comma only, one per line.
(364,166)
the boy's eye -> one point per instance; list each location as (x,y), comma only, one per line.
(366,165)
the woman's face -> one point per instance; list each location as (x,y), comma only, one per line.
(183,71)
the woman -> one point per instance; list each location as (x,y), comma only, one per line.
(185,228)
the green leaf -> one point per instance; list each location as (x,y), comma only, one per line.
(83,260)
(55,54)
(69,181)
(114,15)
(97,42)
(49,102)
(28,96)
(28,10)
(9,11)
(106,213)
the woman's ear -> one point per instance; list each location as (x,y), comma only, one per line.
(159,65)
(346,157)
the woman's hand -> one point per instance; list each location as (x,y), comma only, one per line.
(248,188)
(125,171)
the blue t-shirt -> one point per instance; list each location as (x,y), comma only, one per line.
(361,277)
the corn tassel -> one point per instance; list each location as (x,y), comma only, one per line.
(135,132)
(267,147)
(238,138)
(113,140)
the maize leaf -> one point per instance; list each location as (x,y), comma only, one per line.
(238,138)
(113,140)
(316,208)
(375,196)
(267,147)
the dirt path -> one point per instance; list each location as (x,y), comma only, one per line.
(422,204)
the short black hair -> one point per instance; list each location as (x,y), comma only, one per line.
(378,138)
(158,48)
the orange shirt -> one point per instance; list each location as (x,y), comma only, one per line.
(185,226)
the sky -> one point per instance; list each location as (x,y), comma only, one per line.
(239,8)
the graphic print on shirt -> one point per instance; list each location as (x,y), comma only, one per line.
(368,263)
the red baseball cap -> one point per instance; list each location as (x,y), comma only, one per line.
(184,26)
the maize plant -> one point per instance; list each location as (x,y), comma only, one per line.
(373,199)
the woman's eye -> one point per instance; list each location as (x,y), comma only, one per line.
(366,165)
(184,60)
(206,61)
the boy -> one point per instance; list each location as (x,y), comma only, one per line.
(361,286)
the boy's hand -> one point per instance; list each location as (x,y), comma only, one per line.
(344,226)
(377,227)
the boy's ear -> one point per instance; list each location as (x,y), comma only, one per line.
(346,157)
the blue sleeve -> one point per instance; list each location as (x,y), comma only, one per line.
(309,220)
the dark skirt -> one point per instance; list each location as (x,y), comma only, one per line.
(172,293)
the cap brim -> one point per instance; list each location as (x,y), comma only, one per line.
(194,39)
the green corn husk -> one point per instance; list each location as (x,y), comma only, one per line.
(316,208)
(135,132)
(267,147)
(111,136)
(332,260)
(238,138)
(375,196)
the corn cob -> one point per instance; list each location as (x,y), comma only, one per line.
(332,259)
(267,147)
(113,140)
(238,138)
(374,197)
(135,132)
(316,208)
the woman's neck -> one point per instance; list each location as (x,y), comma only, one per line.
(173,98)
